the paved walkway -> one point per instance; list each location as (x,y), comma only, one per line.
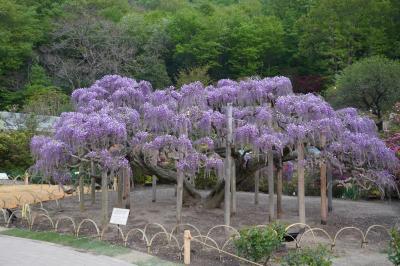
(27,252)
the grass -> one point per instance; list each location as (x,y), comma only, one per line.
(95,246)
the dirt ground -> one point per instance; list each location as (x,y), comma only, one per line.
(361,214)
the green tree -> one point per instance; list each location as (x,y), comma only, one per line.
(19,32)
(15,155)
(335,33)
(371,84)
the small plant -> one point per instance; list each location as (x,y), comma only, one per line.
(394,247)
(319,256)
(258,243)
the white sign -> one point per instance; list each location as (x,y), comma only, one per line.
(3,176)
(119,216)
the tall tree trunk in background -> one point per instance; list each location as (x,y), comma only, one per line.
(300,183)
(271,196)
(81,189)
(324,200)
(104,198)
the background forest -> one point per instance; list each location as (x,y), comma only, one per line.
(50,47)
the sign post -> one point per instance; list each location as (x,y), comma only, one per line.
(119,216)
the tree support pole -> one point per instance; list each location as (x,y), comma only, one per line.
(233,187)
(179,186)
(256,186)
(154,188)
(126,192)
(104,198)
(330,186)
(92,183)
(81,189)
(120,187)
(324,200)
(228,166)
(279,188)
(300,183)
(270,172)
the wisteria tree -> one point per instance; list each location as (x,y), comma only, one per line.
(174,133)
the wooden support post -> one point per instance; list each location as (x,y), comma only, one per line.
(256,186)
(271,196)
(330,186)
(81,189)
(233,188)
(279,188)
(115,183)
(300,183)
(179,186)
(186,247)
(228,167)
(26,178)
(120,187)
(324,200)
(154,187)
(104,198)
(92,183)
(126,193)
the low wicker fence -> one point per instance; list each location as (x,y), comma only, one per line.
(149,236)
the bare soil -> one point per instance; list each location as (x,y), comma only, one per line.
(347,251)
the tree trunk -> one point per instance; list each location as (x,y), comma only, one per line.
(330,186)
(324,201)
(300,183)
(104,198)
(279,188)
(256,186)
(81,189)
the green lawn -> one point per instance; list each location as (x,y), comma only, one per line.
(96,246)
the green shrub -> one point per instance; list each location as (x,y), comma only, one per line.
(258,243)
(15,156)
(319,256)
(394,247)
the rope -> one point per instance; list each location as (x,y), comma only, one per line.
(227,253)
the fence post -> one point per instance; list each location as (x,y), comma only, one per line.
(186,247)
(154,187)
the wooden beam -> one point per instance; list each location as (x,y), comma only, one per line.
(330,186)
(279,189)
(154,188)
(300,183)
(233,188)
(104,198)
(324,200)
(228,166)
(256,186)
(271,196)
